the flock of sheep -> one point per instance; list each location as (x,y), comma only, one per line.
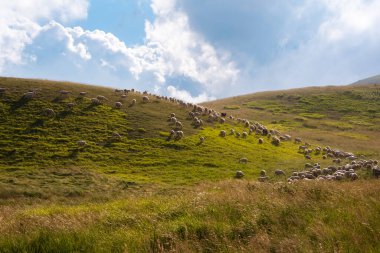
(310,172)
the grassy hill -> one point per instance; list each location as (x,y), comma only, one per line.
(347,117)
(132,188)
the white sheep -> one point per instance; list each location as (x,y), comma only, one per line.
(261,141)
(29,95)
(244,135)
(222,133)
(179,125)
(118,105)
(279,173)
(64,92)
(49,112)
(83,93)
(239,174)
(95,101)
(101,98)
(145,99)
(202,139)
(179,135)
(243,160)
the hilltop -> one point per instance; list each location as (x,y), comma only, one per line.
(81,174)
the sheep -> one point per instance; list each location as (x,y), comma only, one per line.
(244,135)
(118,105)
(276,141)
(82,94)
(178,124)
(64,92)
(376,172)
(49,112)
(123,95)
(297,140)
(232,132)
(29,95)
(261,141)
(222,133)
(279,173)
(222,120)
(307,157)
(172,114)
(243,160)
(133,102)
(145,99)
(179,135)
(95,101)
(70,106)
(201,139)
(239,174)
(102,98)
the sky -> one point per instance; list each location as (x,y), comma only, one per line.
(195,50)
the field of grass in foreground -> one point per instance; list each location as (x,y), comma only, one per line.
(145,193)
(229,216)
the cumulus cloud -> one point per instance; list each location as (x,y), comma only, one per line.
(282,44)
(171,49)
(186,96)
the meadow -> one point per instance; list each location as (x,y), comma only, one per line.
(147,193)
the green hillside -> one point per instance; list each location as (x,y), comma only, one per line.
(347,117)
(86,177)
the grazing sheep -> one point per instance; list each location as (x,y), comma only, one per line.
(95,101)
(376,172)
(64,92)
(29,95)
(263,173)
(308,157)
(239,174)
(276,141)
(118,105)
(81,143)
(83,93)
(102,98)
(244,135)
(70,106)
(145,99)
(279,173)
(297,140)
(133,102)
(49,112)
(232,132)
(123,95)
(222,120)
(243,160)
(261,141)
(179,135)
(179,125)
(222,133)
(172,114)
(201,139)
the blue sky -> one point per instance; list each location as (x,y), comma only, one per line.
(196,50)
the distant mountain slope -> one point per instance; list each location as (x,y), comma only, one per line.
(370,80)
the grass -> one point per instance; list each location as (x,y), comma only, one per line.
(324,110)
(147,193)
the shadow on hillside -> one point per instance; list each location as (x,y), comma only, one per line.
(63,114)
(19,103)
(37,123)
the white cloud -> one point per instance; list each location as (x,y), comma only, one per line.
(19,24)
(187,97)
(171,48)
